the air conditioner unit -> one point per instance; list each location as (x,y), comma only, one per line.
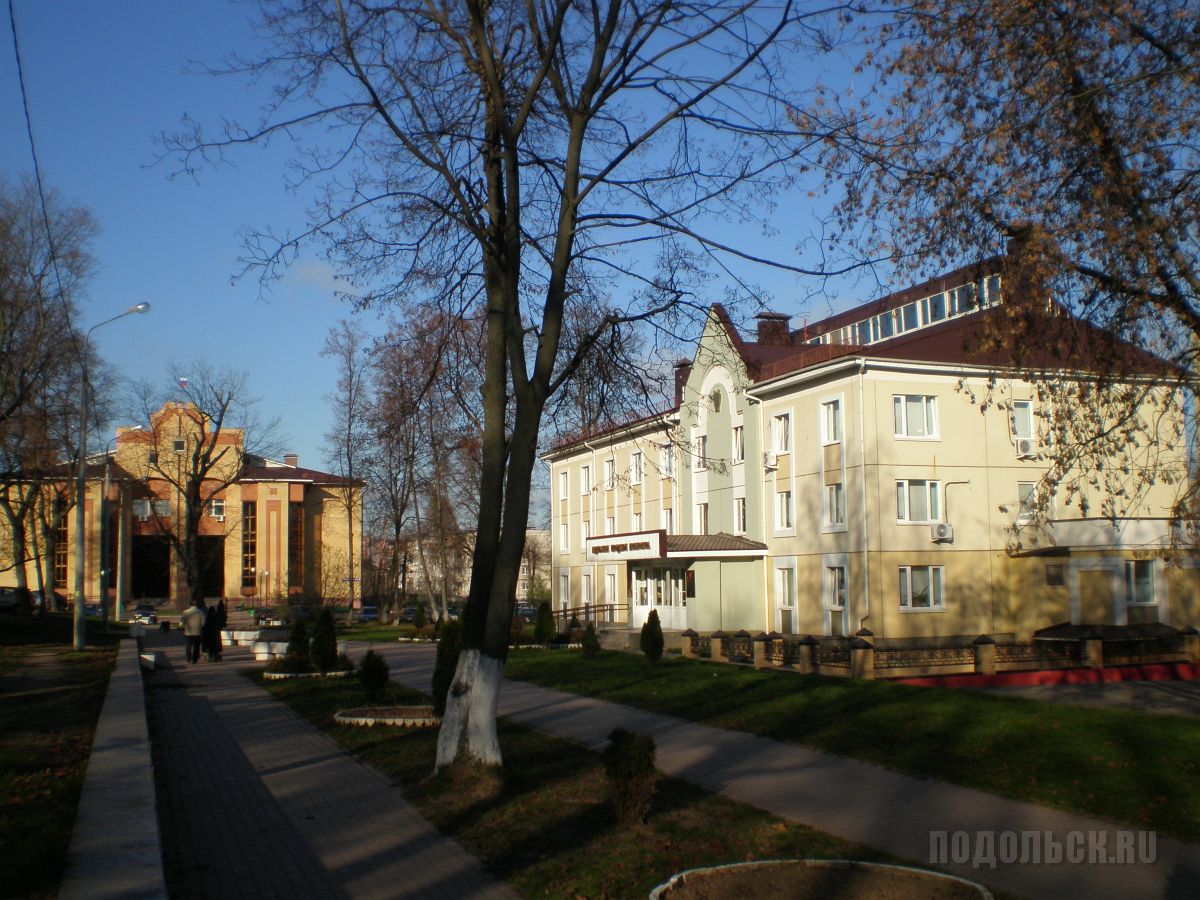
(770,459)
(941,533)
(219,518)
(1026,448)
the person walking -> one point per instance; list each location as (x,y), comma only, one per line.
(192,622)
(212,634)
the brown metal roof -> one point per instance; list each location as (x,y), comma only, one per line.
(711,543)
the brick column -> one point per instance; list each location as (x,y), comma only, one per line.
(718,646)
(1093,653)
(760,650)
(687,645)
(1191,643)
(862,658)
(807,664)
(985,655)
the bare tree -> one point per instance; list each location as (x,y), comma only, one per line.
(195,442)
(1062,139)
(520,159)
(347,441)
(39,361)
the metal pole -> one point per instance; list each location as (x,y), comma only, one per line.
(81,476)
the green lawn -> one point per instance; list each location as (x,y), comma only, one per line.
(543,824)
(52,698)
(1140,769)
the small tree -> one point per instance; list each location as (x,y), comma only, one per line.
(652,637)
(323,651)
(373,674)
(297,647)
(591,644)
(419,619)
(449,647)
(543,628)
(629,766)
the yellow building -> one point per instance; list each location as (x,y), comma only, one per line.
(845,477)
(267,530)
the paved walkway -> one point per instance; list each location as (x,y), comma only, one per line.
(1174,698)
(857,801)
(255,802)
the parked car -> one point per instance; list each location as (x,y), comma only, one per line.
(146,614)
(15,600)
(368,614)
(408,615)
(526,611)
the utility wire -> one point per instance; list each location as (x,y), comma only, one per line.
(37,176)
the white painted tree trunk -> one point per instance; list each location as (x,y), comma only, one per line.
(468,729)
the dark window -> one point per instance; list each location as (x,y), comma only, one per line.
(295,545)
(1054,575)
(249,544)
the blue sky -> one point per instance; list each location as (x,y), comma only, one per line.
(103,79)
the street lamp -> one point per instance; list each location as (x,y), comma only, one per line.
(81,476)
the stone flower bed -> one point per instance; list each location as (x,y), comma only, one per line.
(809,879)
(279,676)
(401,716)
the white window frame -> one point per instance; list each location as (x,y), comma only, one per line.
(785,512)
(637,522)
(739,444)
(1131,567)
(739,515)
(636,469)
(564,537)
(1026,500)
(831,421)
(833,505)
(701,449)
(1017,434)
(666,460)
(610,474)
(562,485)
(215,507)
(141,508)
(161,508)
(586,597)
(701,518)
(781,432)
(936,576)
(585,532)
(564,588)
(933,498)
(610,525)
(668,520)
(901,427)
(585,479)
(830,585)
(786,593)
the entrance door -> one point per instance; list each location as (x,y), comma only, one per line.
(660,589)
(150,568)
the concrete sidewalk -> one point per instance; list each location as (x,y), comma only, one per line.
(860,802)
(256,802)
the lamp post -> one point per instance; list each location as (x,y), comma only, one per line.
(81,475)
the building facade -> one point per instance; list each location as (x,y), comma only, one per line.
(846,477)
(268,530)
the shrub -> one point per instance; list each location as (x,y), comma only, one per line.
(373,674)
(591,643)
(298,641)
(449,647)
(543,628)
(289,665)
(629,767)
(652,637)
(419,618)
(323,649)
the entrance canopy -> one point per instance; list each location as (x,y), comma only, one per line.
(657,545)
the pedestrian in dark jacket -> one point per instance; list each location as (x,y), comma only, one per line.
(212,634)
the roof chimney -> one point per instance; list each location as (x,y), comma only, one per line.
(773,329)
(291,459)
(683,369)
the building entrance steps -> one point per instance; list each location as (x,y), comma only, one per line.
(256,802)
(857,801)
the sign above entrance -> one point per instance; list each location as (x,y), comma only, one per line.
(639,545)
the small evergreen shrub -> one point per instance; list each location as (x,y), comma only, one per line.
(652,637)
(419,618)
(591,643)
(298,641)
(373,674)
(449,647)
(629,767)
(323,647)
(543,628)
